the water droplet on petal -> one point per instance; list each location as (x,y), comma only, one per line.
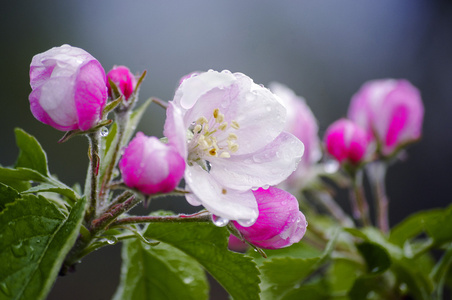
(104,131)
(219,221)
(246,222)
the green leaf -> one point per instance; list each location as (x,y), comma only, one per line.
(436,223)
(439,227)
(376,257)
(298,250)
(159,272)
(440,271)
(62,190)
(417,281)
(316,290)
(372,235)
(207,244)
(342,274)
(368,287)
(20,178)
(280,275)
(35,238)
(7,195)
(31,155)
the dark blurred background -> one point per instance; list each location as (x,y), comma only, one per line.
(323,50)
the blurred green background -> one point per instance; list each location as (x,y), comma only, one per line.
(323,50)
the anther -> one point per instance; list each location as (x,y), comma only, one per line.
(216,111)
(197,129)
(225,154)
(219,118)
(223,126)
(213,152)
(235,124)
(201,120)
(232,136)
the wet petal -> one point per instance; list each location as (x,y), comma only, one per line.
(224,202)
(268,166)
(175,130)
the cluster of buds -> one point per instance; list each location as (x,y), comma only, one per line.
(383,117)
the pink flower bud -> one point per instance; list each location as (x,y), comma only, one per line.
(346,141)
(151,166)
(391,111)
(124,80)
(280,222)
(68,88)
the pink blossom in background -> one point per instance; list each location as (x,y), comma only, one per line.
(151,166)
(346,141)
(302,123)
(391,109)
(124,80)
(280,222)
(235,143)
(69,88)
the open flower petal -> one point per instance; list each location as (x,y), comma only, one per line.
(252,108)
(222,201)
(267,166)
(175,130)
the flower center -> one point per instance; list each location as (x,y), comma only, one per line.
(212,137)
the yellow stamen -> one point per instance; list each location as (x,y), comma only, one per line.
(235,124)
(220,118)
(216,111)
(223,126)
(197,129)
(232,136)
(225,154)
(202,120)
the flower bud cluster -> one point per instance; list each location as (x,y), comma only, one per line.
(384,116)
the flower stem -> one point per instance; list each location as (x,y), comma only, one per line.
(333,208)
(96,227)
(121,120)
(359,203)
(203,216)
(91,187)
(377,174)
